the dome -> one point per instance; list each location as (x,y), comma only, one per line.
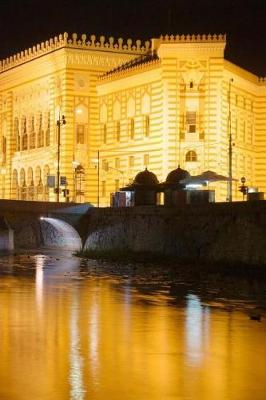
(175,176)
(146,177)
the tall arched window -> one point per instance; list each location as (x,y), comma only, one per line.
(15,194)
(38,184)
(16,134)
(191,156)
(32,133)
(30,184)
(22,184)
(40,141)
(47,138)
(24,133)
(4,149)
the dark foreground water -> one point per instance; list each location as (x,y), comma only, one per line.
(75,329)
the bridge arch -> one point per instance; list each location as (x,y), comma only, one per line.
(59,234)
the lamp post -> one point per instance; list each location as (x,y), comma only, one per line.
(230,148)
(61,121)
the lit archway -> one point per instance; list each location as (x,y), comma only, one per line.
(58,234)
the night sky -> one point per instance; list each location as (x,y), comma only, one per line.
(25,23)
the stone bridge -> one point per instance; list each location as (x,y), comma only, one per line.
(32,224)
(230,232)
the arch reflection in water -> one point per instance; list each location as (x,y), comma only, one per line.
(59,234)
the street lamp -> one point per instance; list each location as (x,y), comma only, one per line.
(230,148)
(61,121)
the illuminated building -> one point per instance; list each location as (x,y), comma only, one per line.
(127,105)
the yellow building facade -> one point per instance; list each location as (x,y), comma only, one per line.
(170,101)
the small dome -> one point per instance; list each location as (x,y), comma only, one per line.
(146,178)
(177,175)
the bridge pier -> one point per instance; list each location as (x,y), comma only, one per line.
(6,235)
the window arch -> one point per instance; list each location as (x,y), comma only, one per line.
(81,121)
(48,125)
(191,156)
(46,173)
(16,133)
(15,185)
(30,184)
(22,184)
(32,133)
(24,133)
(40,134)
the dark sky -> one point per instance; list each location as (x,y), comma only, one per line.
(28,22)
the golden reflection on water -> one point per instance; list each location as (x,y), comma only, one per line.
(64,336)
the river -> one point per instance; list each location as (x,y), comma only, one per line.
(89,330)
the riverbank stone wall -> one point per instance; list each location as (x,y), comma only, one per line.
(215,232)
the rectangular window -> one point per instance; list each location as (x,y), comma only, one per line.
(80,133)
(118,131)
(132,128)
(104,133)
(117,163)
(103,188)
(105,165)
(191,121)
(146,160)
(147,125)
(131,161)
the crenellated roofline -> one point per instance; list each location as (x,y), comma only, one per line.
(193,38)
(84,42)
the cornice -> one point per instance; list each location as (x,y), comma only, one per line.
(124,72)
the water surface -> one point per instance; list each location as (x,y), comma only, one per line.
(80,330)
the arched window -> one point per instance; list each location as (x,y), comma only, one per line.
(32,133)
(46,173)
(81,121)
(30,184)
(15,185)
(47,139)
(191,156)
(79,184)
(40,141)
(16,134)
(24,133)
(22,184)
(4,149)
(38,184)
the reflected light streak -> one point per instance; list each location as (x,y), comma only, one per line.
(76,362)
(194,331)
(39,282)
(94,339)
